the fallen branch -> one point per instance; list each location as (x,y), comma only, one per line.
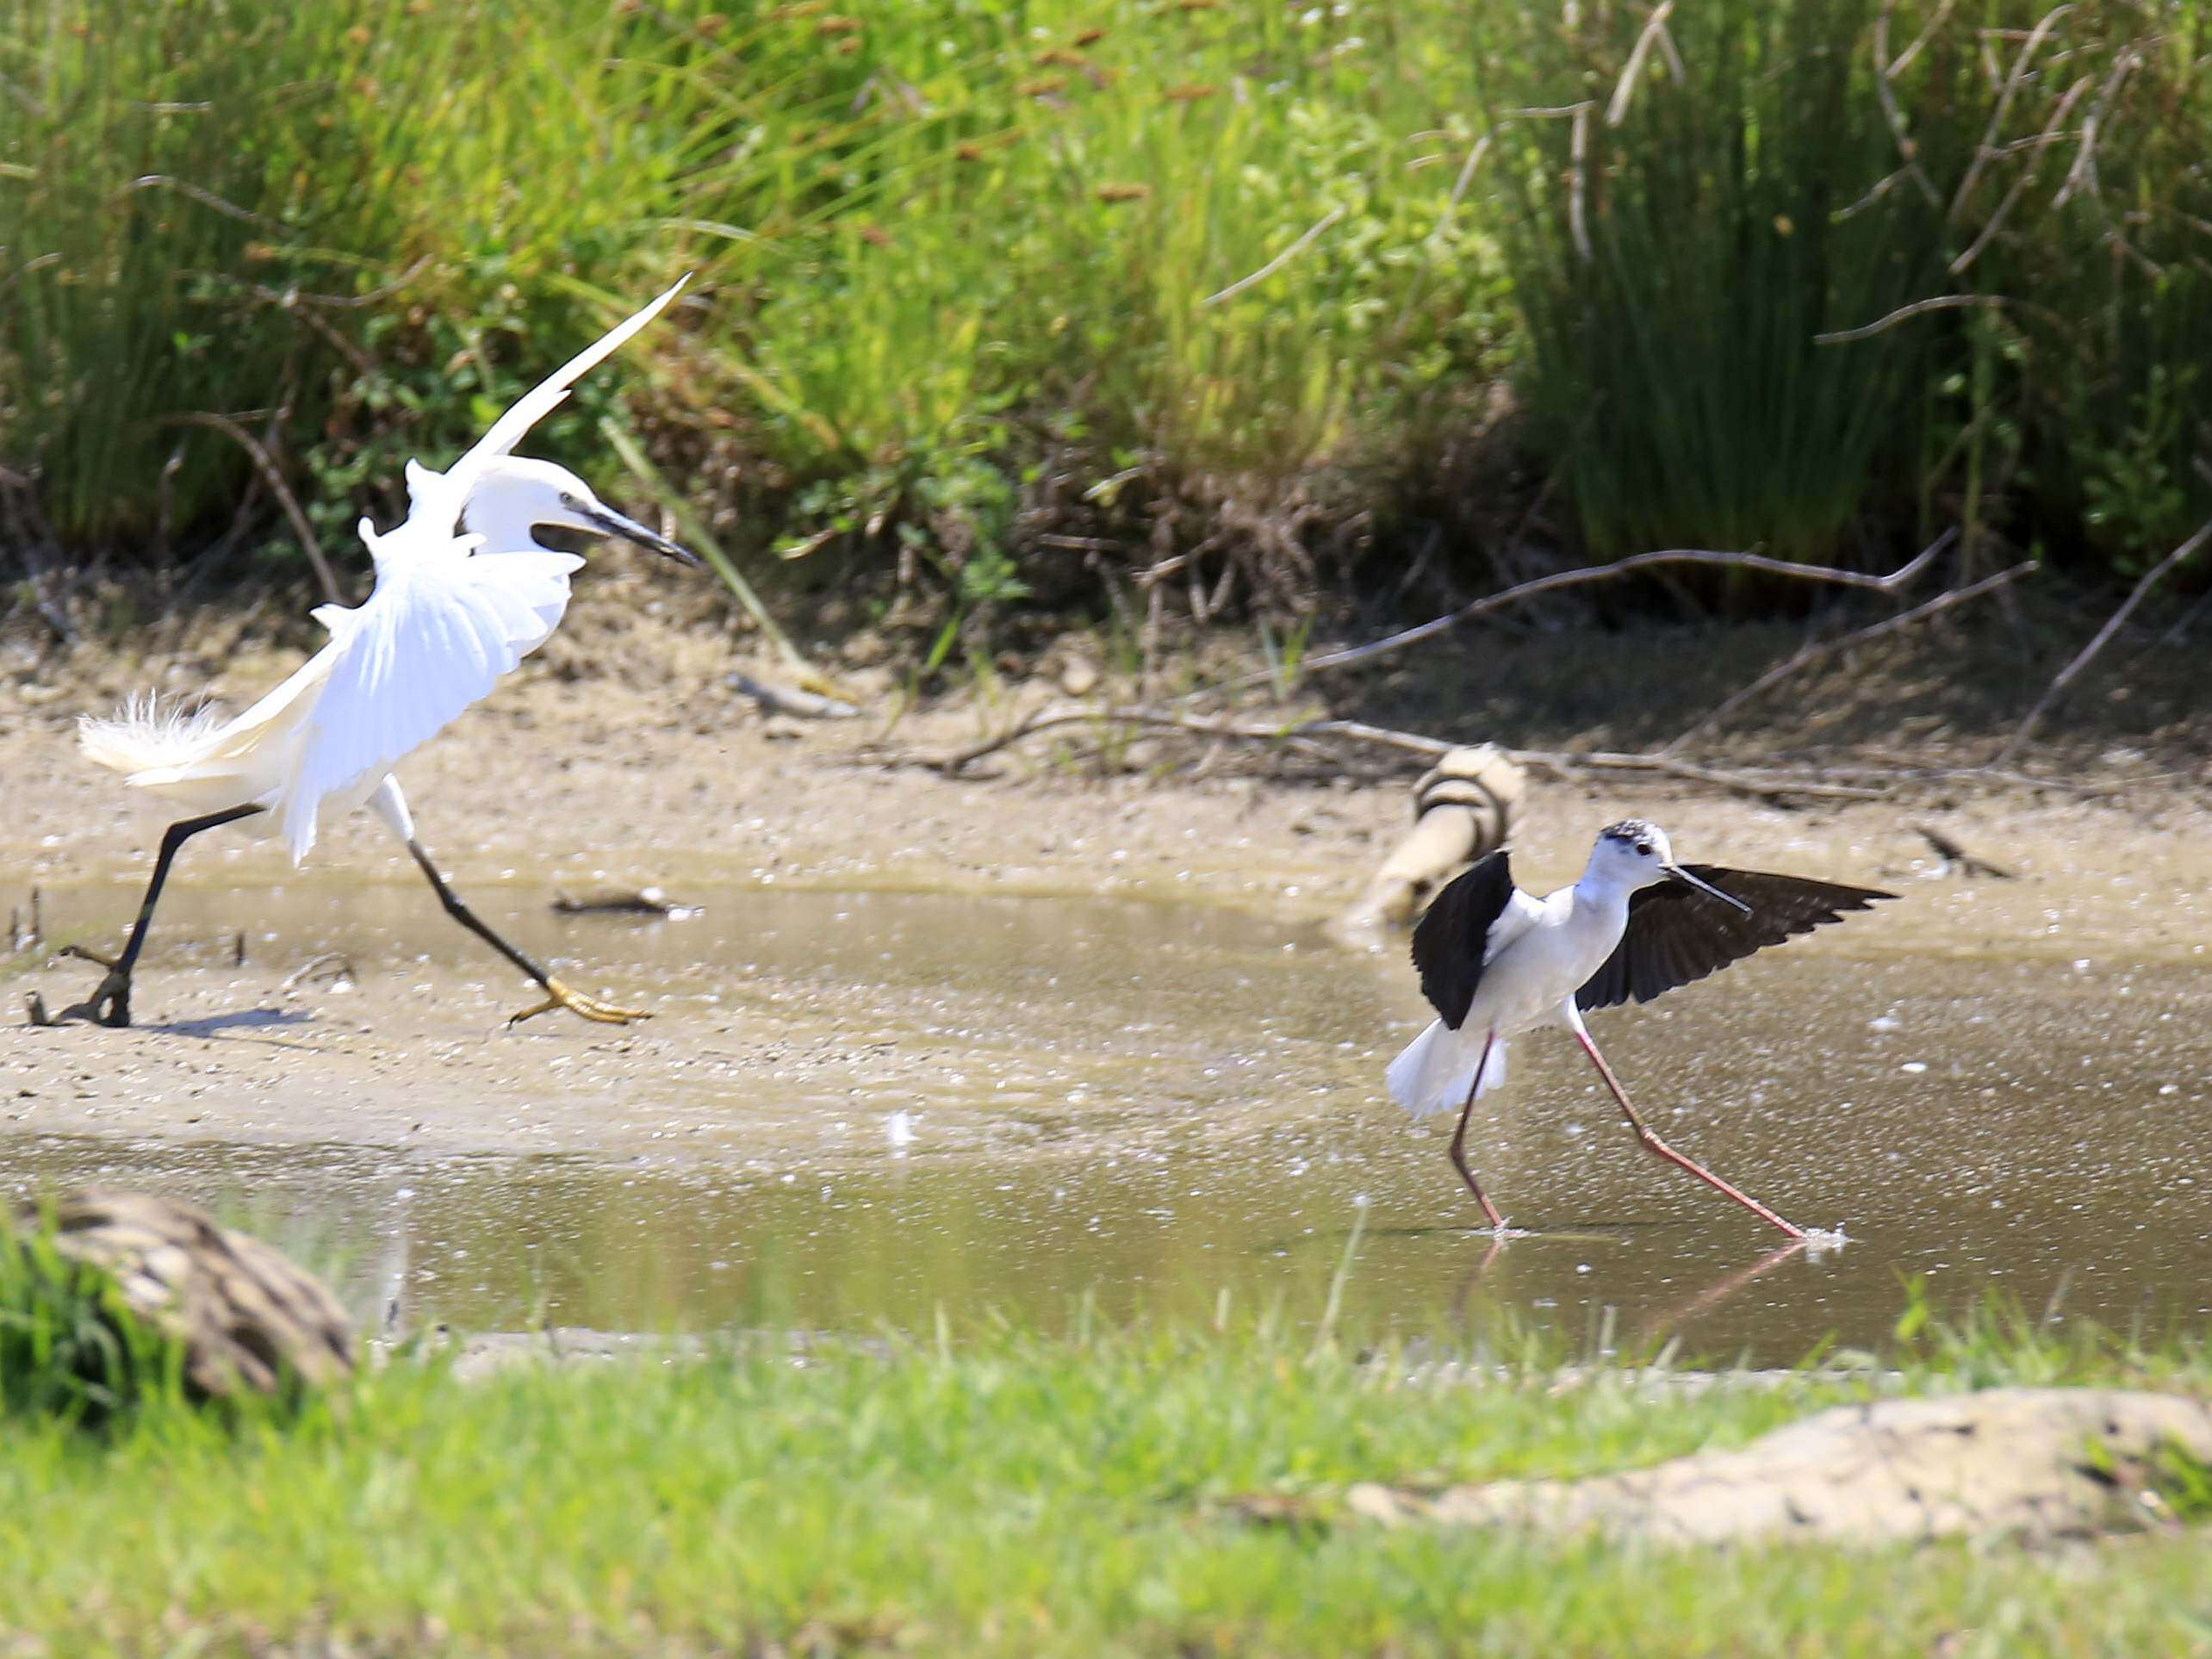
(1563,579)
(1816,651)
(1766,784)
(1844,781)
(1051,718)
(2113,625)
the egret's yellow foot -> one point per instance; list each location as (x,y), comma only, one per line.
(559,996)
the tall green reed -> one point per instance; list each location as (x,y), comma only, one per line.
(1719,234)
(1684,217)
(957,260)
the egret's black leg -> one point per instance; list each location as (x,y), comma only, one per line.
(556,994)
(111,1004)
(1459,1140)
(1653,1145)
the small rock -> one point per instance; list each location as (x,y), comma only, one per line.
(863,649)
(247,1318)
(1078,676)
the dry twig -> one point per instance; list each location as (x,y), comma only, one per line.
(1815,651)
(1907,150)
(2066,675)
(1988,147)
(1905,313)
(2027,179)
(1578,577)
(1309,736)
(274,477)
(1631,74)
(1277,263)
(1304,734)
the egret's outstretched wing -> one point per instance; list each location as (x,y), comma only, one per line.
(435,635)
(430,490)
(1478,913)
(1676,935)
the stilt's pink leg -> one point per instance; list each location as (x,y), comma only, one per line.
(1459,1140)
(1653,1143)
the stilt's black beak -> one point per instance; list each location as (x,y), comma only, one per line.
(1689,880)
(631,531)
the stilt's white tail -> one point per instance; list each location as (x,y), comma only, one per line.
(1438,1067)
(145,734)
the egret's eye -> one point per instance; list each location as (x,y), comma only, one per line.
(571,502)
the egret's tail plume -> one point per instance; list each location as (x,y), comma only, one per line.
(1438,1067)
(144,733)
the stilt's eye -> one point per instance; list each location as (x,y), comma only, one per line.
(1643,850)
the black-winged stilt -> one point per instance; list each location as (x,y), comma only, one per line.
(1495,961)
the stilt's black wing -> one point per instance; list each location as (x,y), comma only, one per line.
(1676,934)
(1455,931)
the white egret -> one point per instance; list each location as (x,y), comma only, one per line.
(464,592)
(1495,961)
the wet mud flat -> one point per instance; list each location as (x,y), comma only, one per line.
(856,1108)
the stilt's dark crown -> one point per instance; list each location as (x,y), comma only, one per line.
(1629,830)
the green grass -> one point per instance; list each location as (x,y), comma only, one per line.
(1674,290)
(70,1350)
(969,272)
(1000,1493)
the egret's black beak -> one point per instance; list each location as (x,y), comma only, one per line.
(1689,880)
(631,531)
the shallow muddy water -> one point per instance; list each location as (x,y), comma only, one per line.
(856,1108)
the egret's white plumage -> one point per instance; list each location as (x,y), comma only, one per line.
(145,733)
(463,593)
(439,632)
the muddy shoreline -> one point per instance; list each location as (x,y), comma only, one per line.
(620,757)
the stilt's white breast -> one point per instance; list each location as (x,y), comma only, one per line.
(1527,981)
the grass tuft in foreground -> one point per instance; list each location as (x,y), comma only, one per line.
(72,1350)
(1011,1494)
